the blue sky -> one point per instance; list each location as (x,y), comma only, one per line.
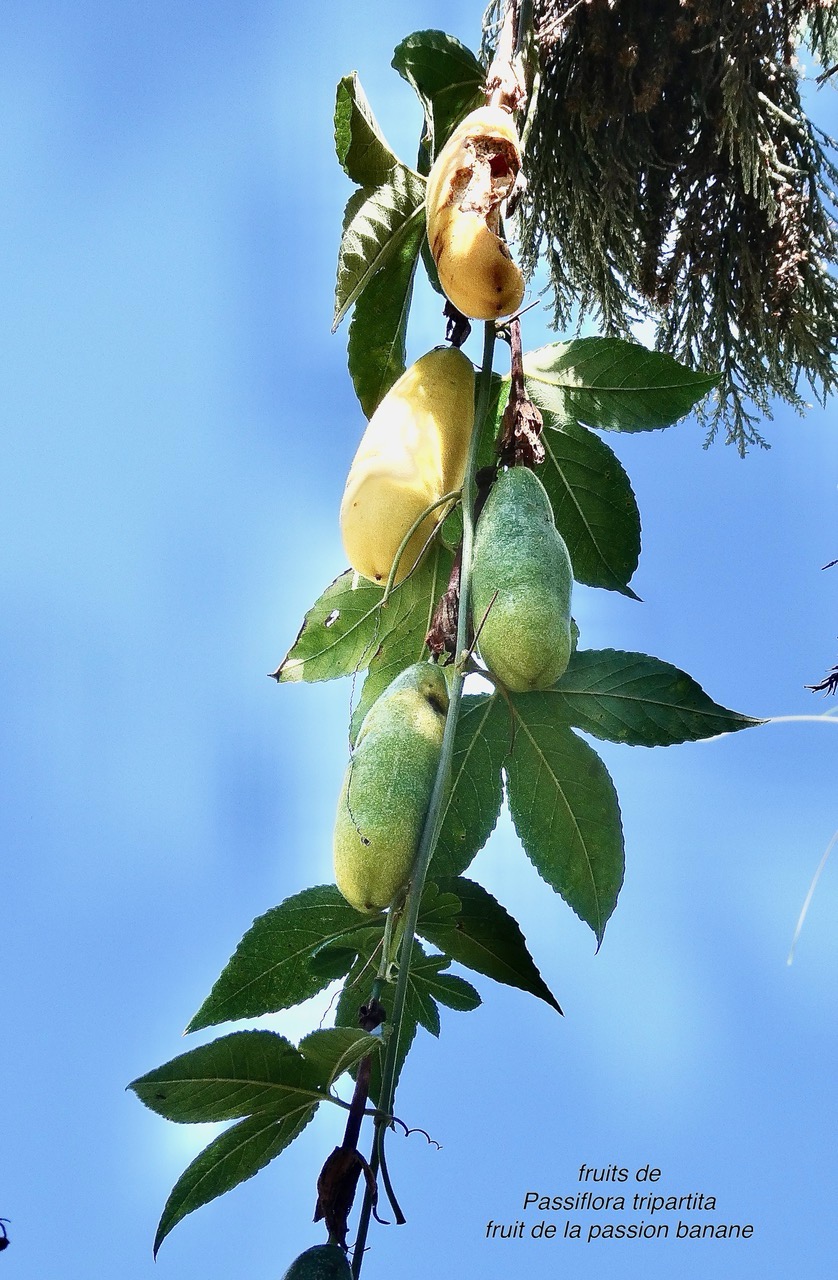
(177,427)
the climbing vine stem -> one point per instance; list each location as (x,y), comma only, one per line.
(433,819)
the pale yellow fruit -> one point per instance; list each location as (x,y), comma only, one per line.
(412,453)
(387,788)
(469,180)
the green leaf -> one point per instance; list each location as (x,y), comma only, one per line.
(376,223)
(362,150)
(336,1050)
(235,1155)
(420,993)
(437,907)
(451,529)
(484,937)
(332,961)
(405,622)
(348,629)
(338,633)
(490,427)
(447,988)
(639,700)
(430,267)
(447,78)
(565,810)
(594,506)
(475,791)
(270,968)
(237,1075)
(613,384)
(378,327)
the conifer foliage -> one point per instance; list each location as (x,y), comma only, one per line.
(674,174)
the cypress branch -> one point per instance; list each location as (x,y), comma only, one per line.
(675,175)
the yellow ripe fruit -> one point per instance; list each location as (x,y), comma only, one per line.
(387,788)
(469,180)
(412,452)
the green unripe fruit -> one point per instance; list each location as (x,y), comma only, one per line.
(522,575)
(321,1262)
(387,787)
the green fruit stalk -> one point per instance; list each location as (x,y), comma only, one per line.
(387,788)
(521,585)
(321,1262)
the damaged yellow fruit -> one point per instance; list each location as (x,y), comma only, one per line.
(412,453)
(470,179)
(387,787)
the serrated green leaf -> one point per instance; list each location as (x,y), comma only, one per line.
(484,937)
(420,997)
(338,633)
(613,384)
(448,81)
(447,988)
(378,328)
(337,1049)
(362,150)
(594,506)
(270,968)
(438,907)
(233,1157)
(475,792)
(237,1075)
(376,223)
(565,810)
(332,962)
(639,700)
(348,628)
(405,622)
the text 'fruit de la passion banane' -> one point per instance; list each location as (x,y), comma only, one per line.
(413,452)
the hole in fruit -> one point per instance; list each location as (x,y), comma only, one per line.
(499,166)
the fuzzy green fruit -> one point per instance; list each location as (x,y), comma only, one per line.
(321,1262)
(387,787)
(520,555)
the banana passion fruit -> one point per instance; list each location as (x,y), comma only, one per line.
(387,787)
(521,585)
(412,453)
(471,177)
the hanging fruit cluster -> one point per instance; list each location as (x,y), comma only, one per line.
(411,458)
(470,507)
